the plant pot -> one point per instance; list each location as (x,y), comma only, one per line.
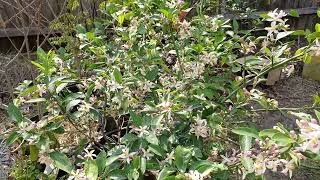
(312,70)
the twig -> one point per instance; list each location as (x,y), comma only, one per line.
(3,106)
(228,139)
(16,149)
(275,66)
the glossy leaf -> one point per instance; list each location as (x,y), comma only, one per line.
(73,103)
(61,87)
(91,169)
(137,120)
(283,34)
(117,75)
(245,143)
(294,13)
(182,157)
(36,100)
(14,113)
(101,161)
(143,164)
(12,138)
(164,173)
(61,161)
(282,138)
(246,131)
(268,133)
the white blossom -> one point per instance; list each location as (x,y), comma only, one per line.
(194,175)
(200,128)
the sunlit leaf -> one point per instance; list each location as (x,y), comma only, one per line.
(182,157)
(91,169)
(12,138)
(294,13)
(117,75)
(283,34)
(61,161)
(246,131)
(36,100)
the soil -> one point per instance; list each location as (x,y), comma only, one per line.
(292,92)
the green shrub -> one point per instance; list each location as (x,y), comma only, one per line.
(153,94)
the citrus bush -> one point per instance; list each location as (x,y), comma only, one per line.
(152,93)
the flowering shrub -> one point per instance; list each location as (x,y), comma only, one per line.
(153,94)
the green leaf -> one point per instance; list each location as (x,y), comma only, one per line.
(101,161)
(42,55)
(61,87)
(38,66)
(246,131)
(247,163)
(282,138)
(156,149)
(137,120)
(245,143)
(89,92)
(206,167)
(307,58)
(133,174)
(118,174)
(164,173)
(152,138)
(301,115)
(36,100)
(61,161)
(117,75)
(235,25)
(12,138)
(34,152)
(283,34)
(318,12)
(317,27)
(29,91)
(73,103)
(112,159)
(298,33)
(14,113)
(166,13)
(143,164)
(182,157)
(264,15)
(136,162)
(121,19)
(268,133)
(91,169)
(294,13)
(152,74)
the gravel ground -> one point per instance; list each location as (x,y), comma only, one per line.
(292,92)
